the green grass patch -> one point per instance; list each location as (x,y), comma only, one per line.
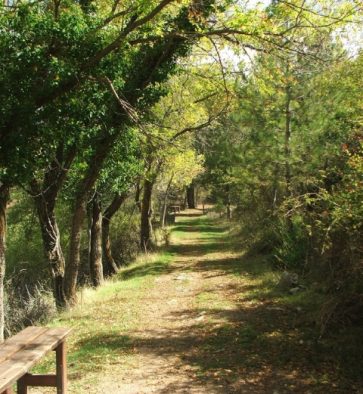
(104,320)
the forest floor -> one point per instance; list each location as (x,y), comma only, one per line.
(203,317)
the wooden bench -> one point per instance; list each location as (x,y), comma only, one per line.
(19,353)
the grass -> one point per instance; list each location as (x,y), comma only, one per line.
(103,320)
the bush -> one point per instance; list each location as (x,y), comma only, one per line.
(125,234)
(26,305)
(24,243)
(292,247)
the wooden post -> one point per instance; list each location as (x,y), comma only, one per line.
(22,387)
(61,368)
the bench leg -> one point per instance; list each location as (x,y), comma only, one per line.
(22,387)
(61,362)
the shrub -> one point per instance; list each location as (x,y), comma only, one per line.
(26,305)
(125,233)
(292,248)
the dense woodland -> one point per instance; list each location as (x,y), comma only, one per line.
(114,111)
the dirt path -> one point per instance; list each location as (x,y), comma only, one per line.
(170,339)
(208,322)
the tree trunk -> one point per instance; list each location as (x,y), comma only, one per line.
(71,275)
(137,196)
(45,196)
(228,202)
(96,268)
(287,152)
(51,245)
(4,198)
(110,266)
(146,214)
(229,213)
(191,196)
(287,148)
(165,202)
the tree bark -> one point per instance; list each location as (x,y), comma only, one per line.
(191,196)
(71,275)
(4,198)
(146,214)
(287,148)
(52,245)
(110,266)
(96,268)
(45,197)
(228,202)
(287,152)
(137,196)
(165,202)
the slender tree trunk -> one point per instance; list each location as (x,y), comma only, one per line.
(275,188)
(191,196)
(85,267)
(287,148)
(96,268)
(165,202)
(52,245)
(287,151)
(71,275)
(146,213)
(228,203)
(137,196)
(110,266)
(4,198)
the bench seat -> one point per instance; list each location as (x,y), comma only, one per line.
(21,352)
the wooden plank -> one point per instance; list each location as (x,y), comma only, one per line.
(39,380)
(20,362)
(19,341)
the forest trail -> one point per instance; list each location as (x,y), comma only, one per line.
(208,322)
(206,326)
(188,305)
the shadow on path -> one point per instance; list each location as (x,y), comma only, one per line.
(237,338)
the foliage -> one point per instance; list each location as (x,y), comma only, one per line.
(289,158)
(125,232)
